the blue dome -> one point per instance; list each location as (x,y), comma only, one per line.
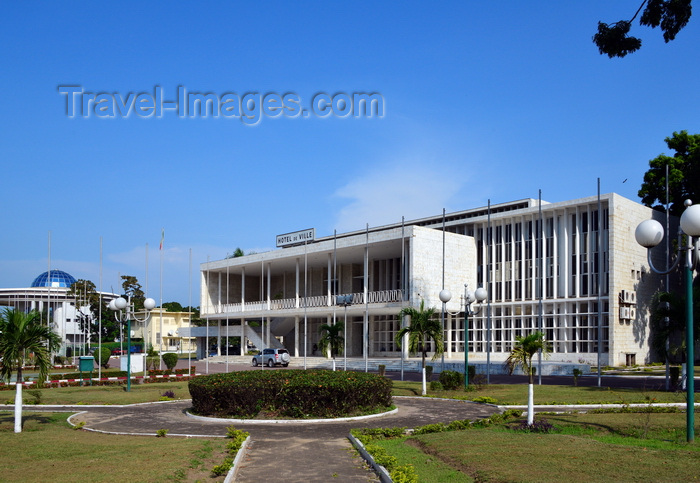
(58,278)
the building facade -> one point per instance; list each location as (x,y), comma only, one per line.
(49,292)
(571,269)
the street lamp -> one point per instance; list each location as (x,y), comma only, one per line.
(118,305)
(469,298)
(344,301)
(648,234)
(445,296)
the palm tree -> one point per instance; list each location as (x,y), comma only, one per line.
(332,337)
(423,328)
(21,335)
(521,356)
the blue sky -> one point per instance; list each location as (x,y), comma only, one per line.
(482,100)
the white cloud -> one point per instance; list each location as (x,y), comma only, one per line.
(407,188)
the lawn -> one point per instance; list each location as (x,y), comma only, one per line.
(505,394)
(509,394)
(593,447)
(99,394)
(48,449)
(615,442)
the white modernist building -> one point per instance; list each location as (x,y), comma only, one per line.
(568,268)
(49,292)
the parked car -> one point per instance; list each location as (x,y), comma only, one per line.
(118,352)
(272,357)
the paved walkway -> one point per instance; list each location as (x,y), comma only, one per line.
(316,452)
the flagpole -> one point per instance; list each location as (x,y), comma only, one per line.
(146,324)
(99,319)
(189,340)
(162,239)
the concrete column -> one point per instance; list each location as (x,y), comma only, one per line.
(296,289)
(242,291)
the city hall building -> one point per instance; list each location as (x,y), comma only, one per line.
(569,268)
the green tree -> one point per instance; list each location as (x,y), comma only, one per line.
(667,321)
(521,356)
(423,328)
(237,253)
(173,307)
(683,174)
(132,289)
(21,335)
(332,337)
(669,15)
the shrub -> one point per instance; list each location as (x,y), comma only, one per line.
(291,393)
(161,433)
(436,386)
(451,380)
(404,474)
(538,426)
(170,360)
(430,428)
(102,355)
(485,400)
(152,362)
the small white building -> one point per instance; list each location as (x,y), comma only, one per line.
(49,292)
(570,268)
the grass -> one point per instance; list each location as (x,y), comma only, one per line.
(626,447)
(612,441)
(505,394)
(108,395)
(509,394)
(66,455)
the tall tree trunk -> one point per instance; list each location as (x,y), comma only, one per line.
(530,404)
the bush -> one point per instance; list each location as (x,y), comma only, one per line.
(538,426)
(451,380)
(170,360)
(291,393)
(102,355)
(152,362)
(436,386)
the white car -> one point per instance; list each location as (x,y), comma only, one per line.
(272,357)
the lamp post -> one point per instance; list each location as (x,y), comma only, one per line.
(118,305)
(649,234)
(344,301)
(445,296)
(469,298)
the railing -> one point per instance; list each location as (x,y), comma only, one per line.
(378,297)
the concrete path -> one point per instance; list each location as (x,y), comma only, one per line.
(315,452)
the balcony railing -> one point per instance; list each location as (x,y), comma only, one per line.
(378,297)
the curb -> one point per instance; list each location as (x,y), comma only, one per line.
(288,421)
(379,469)
(235,466)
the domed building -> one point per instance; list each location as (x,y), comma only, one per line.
(49,291)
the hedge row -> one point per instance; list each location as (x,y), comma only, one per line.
(291,393)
